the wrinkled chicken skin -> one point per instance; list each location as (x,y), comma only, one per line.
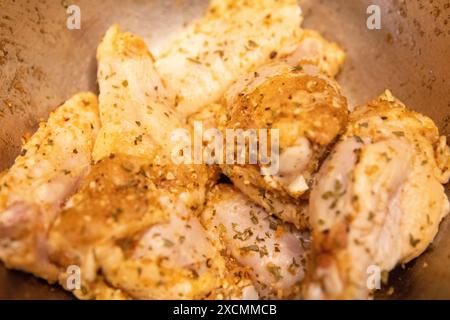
(378,200)
(308,110)
(274,252)
(47,172)
(132,227)
(231,39)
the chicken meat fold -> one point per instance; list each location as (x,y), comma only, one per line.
(378,199)
(132,228)
(306,110)
(232,38)
(48,171)
(274,252)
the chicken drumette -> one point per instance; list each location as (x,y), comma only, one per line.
(378,200)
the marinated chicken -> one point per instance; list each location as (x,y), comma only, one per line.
(378,200)
(274,252)
(48,171)
(307,112)
(132,228)
(231,39)
(326,199)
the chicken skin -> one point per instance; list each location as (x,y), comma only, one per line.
(274,252)
(47,172)
(378,200)
(307,111)
(231,39)
(132,228)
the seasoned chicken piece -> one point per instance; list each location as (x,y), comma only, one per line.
(133,100)
(231,39)
(312,49)
(132,228)
(306,110)
(378,200)
(47,172)
(274,252)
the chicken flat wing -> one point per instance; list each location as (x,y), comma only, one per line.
(274,252)
(132,228)
(47,172)
(307,111)
(133,100)
(378,199)
(231,39)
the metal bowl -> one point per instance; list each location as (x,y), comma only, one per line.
(42,63)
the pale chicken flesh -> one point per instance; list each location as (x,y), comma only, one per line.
(274,252)
(132,228)
(378,200)
(48,171)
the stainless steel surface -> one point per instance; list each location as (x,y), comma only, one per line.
(42,63)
